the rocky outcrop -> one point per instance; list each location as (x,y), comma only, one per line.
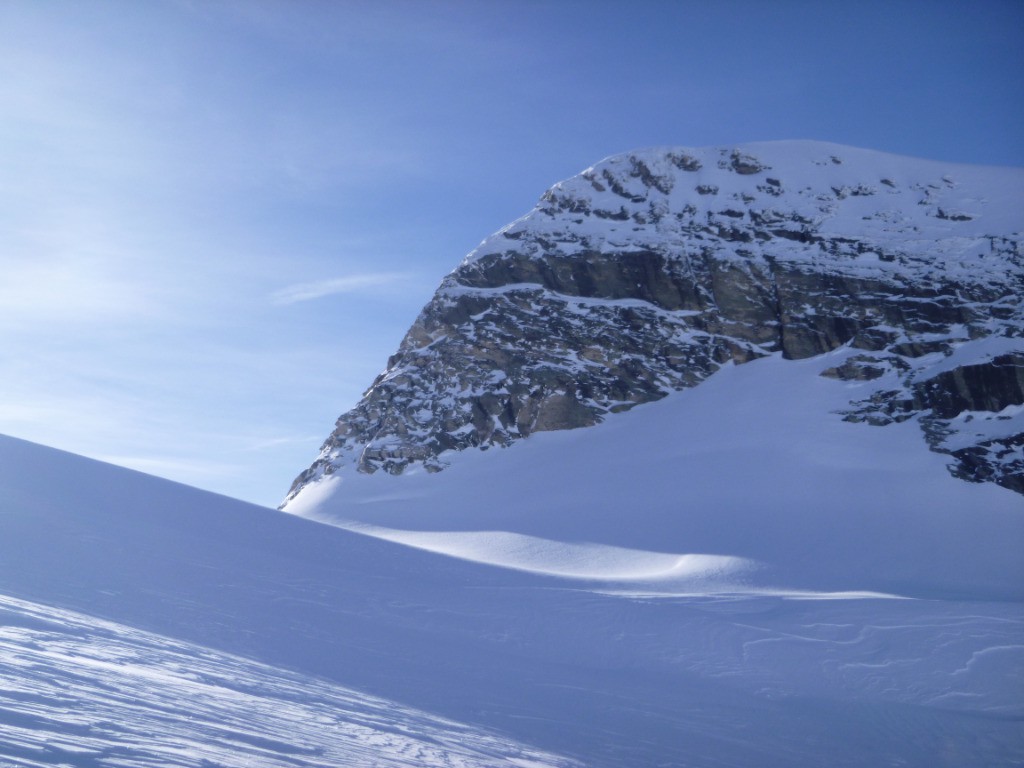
(990,386)
(970,411)
(646,273)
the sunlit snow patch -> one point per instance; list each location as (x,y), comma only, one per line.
(616,571)
(592,562)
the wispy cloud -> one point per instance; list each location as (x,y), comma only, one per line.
(350,284)
(277,442)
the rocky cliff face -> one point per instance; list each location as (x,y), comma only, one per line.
(649,271)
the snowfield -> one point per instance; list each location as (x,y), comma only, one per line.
(753,467)
(732,576)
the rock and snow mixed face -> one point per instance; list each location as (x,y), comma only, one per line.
(649,271)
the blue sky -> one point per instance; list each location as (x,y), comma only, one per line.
(217,219)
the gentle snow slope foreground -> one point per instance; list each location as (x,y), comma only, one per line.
(626,595)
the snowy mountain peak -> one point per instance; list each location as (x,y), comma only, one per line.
(649,271)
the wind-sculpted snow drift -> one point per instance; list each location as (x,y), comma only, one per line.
(648,272)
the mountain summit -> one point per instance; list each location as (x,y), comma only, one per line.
(651,270)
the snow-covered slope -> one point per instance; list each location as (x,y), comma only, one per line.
(646,273)
(740,598)
(754,466)
(145,623)
(743,572)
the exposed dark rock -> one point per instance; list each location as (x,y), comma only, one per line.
(874,339)
(684,162)
(989,386)
(889,406)
(744,164)
(952,215)
(921,348)
(998,461)
(661,183)
(858,368)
